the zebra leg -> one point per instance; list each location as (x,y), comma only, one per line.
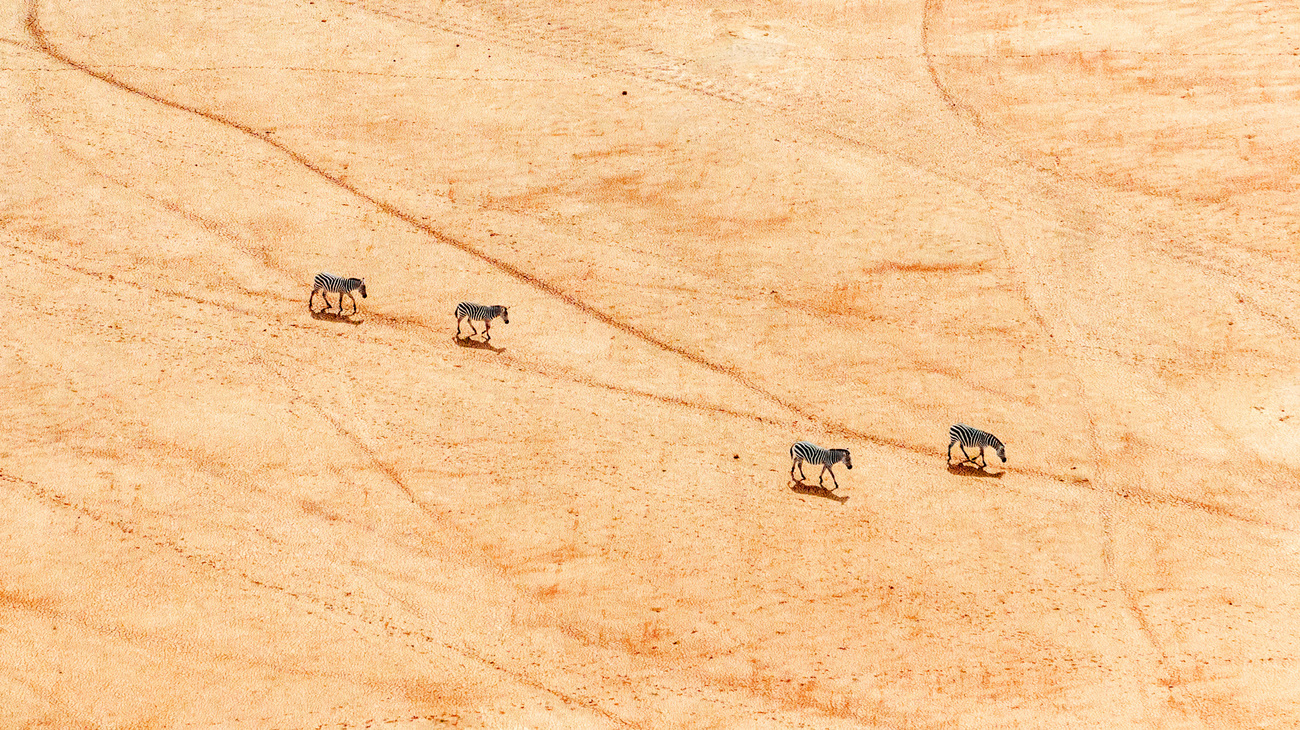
(833,479)
(792,463)
(354,303)
(950,443)
(963,453)
(487,331)
(982,459)
(311,299)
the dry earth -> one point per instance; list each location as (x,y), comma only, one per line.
(719,229)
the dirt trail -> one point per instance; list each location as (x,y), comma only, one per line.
(719,231)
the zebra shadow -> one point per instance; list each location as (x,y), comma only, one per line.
(814,490)
(328,316)
(970,469)
(477,344)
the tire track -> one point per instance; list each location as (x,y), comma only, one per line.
(560,373)
(569,630)
(565,374)
(400,323)
(115,280)
(411,637)
(214,227)
(954,104)
(1204,258)
(1129,493)
(669,72)
(501,569)
(827,425)
(1106,514)
(44,45)
(519,41)
(262,255)
(630,329)
(501,265)
(729,371)
(379,465)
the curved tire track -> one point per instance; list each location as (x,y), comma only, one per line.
(1166,661)
(622,325)
(44,45)
(410,636)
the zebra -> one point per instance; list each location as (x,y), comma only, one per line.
(964,436)
(470,311)
(337,284)
(803,451)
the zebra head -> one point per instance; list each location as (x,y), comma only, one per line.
(361,284)
(844,456)
(505,315)
(1002,451)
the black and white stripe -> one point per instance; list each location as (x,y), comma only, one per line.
(339,285)
(480,313)
(967,436)
(803,451)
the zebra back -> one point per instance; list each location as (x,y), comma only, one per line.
(479,311)
(330,282)
(965,435)
(971,436)
(814,454)
(805,451)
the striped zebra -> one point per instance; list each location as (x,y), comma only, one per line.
(803,451)
(337,284)
(964,436)
(481,313)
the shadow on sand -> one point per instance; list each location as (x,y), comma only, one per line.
(970,469)
(477,344)
(814,490)
(328,316)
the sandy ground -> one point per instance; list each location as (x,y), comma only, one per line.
(719,230)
